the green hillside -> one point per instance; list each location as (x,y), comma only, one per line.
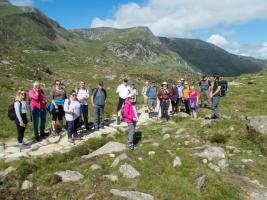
(209,58)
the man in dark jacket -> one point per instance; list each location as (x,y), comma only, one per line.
(215,96)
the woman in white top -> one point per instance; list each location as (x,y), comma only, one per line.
(72,115)
(21,116)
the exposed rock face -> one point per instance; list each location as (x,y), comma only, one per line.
(199,182)
(111,147)
(26,185)
(132,195)
(212,153)
(129,171)
(69,176)
(177,162)
(257,124)
(112,178)
(118,159)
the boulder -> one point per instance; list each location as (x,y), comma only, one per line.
(223,164)
(182,115)
(112,178)
(110,147)
(212,153)
(14,156)
(26,185)
(12,149)
(206,123)
(132,195)
(119,158)
(129,171)
(214,167)
(262,195)
(166,136)
(95,167)
(199,182)
(177,162)
(257,124)
(69,176)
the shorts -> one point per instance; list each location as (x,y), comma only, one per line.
(120,103)
(58,115)
(152,103)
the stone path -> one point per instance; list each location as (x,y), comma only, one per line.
(10,151)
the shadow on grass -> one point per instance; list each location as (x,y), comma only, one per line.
(137,137)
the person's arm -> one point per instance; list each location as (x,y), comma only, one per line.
(66,107)
(92,100)
(33,95)
(17,106)
(217,91)
(118,90)
(52,94)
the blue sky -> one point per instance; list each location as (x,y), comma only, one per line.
(238,26)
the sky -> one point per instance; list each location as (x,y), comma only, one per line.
(239,26)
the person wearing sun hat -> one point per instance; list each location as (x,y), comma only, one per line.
(164,95)
(182,81)
(185,97)
(130,117)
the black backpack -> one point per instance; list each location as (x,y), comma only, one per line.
(11,113)
(224,88)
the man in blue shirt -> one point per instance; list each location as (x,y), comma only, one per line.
(151,93)
(98,100)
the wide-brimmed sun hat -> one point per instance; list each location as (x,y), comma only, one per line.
(164,83)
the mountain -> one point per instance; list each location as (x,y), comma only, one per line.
(209,58)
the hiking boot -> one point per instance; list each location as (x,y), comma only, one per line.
(70,140)
(131,147)
(53,133)
(23,146)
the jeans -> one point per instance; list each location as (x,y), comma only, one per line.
(131,133)
(39,115)
(214,106)
(164,105)
(174,106)
(84,114)
(72,127)
(98,113)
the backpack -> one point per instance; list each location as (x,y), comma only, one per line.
(224,88)
(94,92)
(11,113)
(78,89)
(204,85)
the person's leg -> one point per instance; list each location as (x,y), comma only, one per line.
(101,114)
(19,133)
(164,110)
(60,116)
(187,108)
(167,109)
(85,115)
(43,122)
(130,135)
(161,108)
(207,96)
(215,105)
(35,121)
(75,128)
(172,104)
(70,128)
(120,103)
(96,117)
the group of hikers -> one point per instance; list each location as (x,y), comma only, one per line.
(74,106)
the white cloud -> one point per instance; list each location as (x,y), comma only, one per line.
(177,17)
(259,51)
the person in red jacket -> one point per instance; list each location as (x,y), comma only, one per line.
(164,95)
(38,110)
(130,117)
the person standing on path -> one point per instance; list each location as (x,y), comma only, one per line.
(144,92)
(98,99)
(185,97)
(83,96)
(152,98)
(131,118)
(180,95)
(123,90)
(58,96)
(38,110)
(193,102)
(204,86)
(21,116)
(72,108)
(215,96)
(164,95)
(174,99)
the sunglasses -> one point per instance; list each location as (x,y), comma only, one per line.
(58,83)
(22,93)
(73,94)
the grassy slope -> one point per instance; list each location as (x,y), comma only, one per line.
(157,175)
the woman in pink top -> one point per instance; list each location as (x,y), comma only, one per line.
(130,117)
(193,100)
(38,110)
